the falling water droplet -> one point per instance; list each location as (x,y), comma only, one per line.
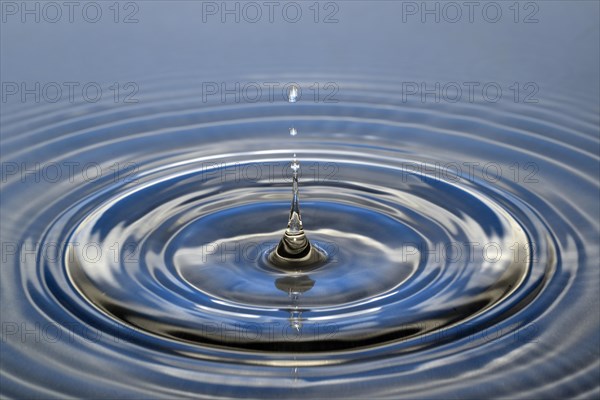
(293,93)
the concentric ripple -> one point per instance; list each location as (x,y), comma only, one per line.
(461,245)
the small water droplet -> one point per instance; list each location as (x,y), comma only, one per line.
(293,132)
(293,93)
(295,166)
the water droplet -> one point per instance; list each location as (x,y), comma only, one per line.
(293,132)
(295,166)
(293,93)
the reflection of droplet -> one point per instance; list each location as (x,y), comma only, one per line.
(294,285)
(293,132)
(293,93)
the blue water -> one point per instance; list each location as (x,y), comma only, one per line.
(461,233)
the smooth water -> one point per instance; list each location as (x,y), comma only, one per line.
(453,245)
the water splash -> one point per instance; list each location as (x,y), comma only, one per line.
(294,251)
(295,221)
